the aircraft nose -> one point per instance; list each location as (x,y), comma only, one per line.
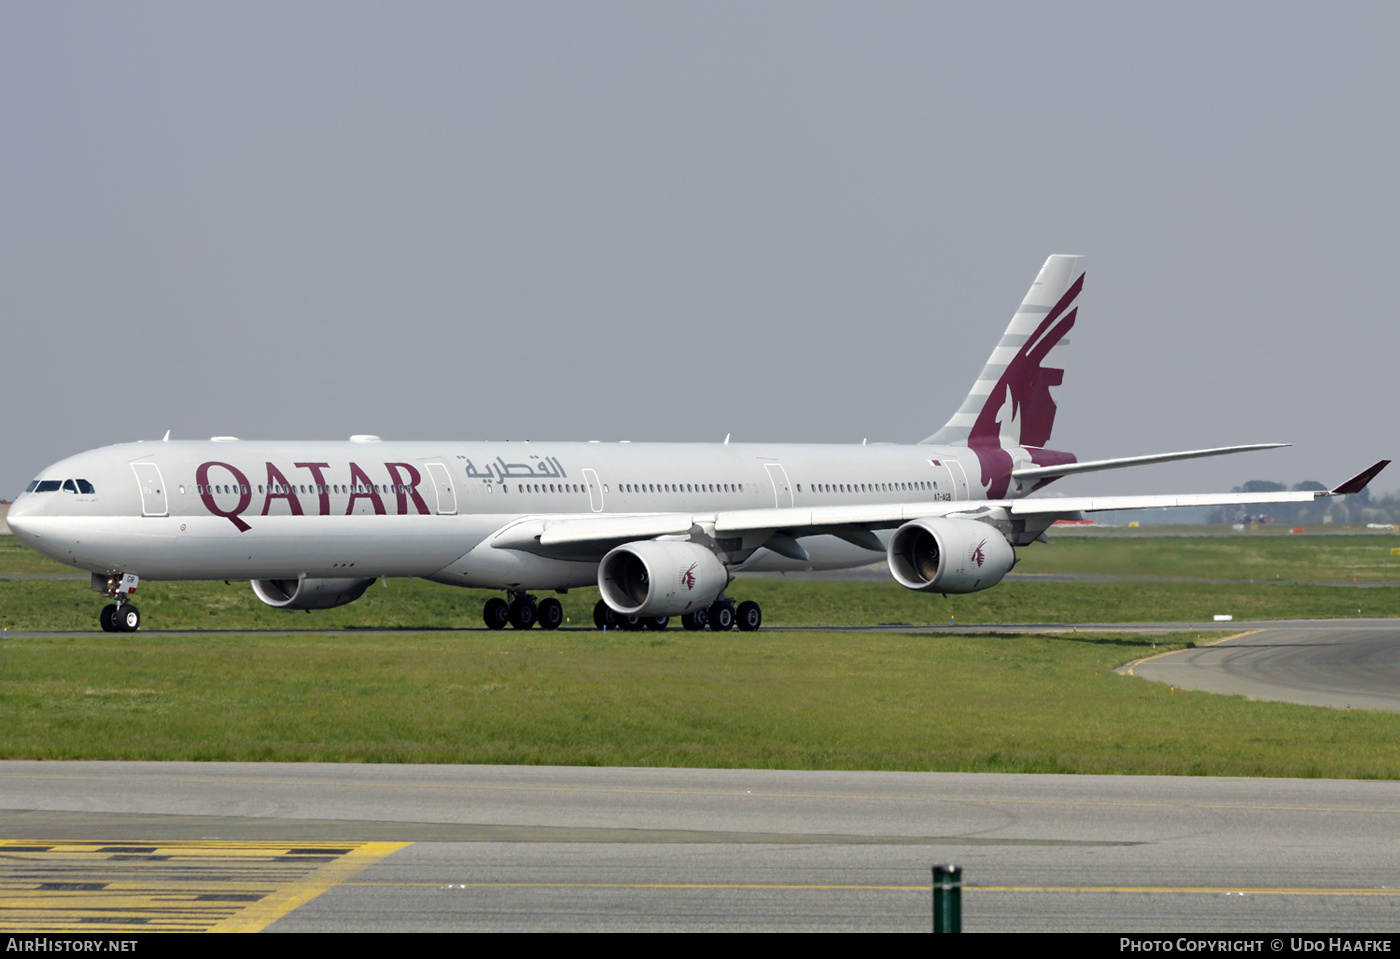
(18,513)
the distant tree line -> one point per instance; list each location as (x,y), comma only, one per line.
(1357,508)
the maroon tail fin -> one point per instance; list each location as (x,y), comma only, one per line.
(1010,404)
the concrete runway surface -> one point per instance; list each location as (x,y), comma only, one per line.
(508,848)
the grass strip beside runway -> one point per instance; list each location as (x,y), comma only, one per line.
(1249,576)
(766,700)
(405,604)
(1217,553)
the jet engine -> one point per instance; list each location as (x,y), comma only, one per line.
(307,593)
(949,555)
(655,578)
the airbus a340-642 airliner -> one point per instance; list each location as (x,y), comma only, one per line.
(661,528)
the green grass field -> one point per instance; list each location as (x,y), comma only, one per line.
(775,699)
(1363,557)
(771,699)
(404,604)
(1248,577)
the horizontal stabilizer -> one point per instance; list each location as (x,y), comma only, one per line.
(1066,469)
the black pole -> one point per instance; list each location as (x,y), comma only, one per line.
(947,899)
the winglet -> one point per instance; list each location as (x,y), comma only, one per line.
(1358,482)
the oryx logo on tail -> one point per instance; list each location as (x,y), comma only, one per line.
(1010,404)
(1020,410)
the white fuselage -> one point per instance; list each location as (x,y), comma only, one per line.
(659,527)
(280,510)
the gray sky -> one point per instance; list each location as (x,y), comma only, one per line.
(790,221)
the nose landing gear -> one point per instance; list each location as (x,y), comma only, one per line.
(119,619)
(118,616)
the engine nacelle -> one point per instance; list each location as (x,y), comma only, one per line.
(654,578)
(949,555)
(307,593)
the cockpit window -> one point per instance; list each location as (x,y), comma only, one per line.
(33,485)
(69,486)
(85,487)
(47,486)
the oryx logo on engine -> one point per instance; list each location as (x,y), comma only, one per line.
(688,577)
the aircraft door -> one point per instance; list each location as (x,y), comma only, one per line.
(442,485)
(959,479)
(595,490)
(148,480)
(943,479)
(782,489)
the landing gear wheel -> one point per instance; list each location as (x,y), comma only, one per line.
(604,617)
(697,619)
(750,616)
(722,617)
(551,614)
(522,614)
(656,623)
(127,619)
(496,613)
(108,618)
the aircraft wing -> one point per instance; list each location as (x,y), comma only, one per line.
(562,531)
(1094,504)
(590,536)
(1099,504)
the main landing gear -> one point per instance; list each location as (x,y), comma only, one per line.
(721,615)
(605,617)
(523,611)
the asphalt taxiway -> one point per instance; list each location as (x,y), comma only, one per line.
(312,847)
(1344,664)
